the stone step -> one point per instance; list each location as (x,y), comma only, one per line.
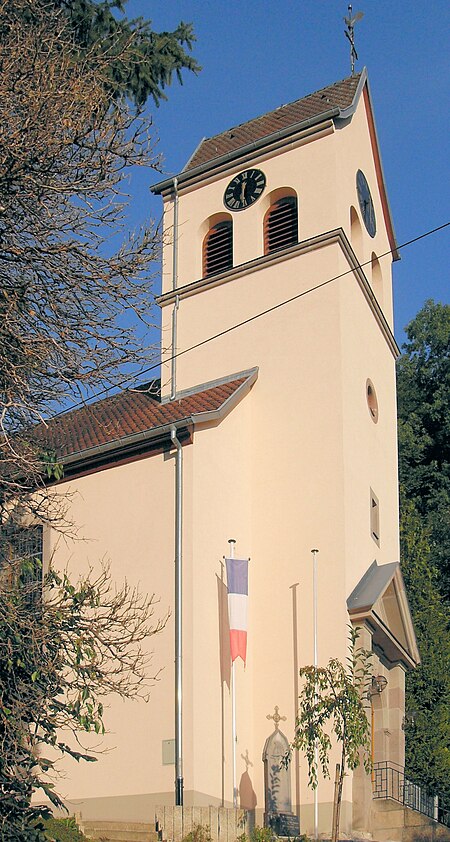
(119,831)
(386,819)
(390,835)
(413,834)
(393,822)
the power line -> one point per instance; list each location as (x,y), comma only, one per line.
(252,319)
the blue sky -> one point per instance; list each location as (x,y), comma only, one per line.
(259,54)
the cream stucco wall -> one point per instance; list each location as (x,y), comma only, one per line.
(288,470)
(124,515)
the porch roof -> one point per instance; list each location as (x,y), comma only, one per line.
(380,600)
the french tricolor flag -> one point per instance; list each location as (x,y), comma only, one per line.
(237,579)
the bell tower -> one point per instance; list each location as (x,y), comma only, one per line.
(268,210)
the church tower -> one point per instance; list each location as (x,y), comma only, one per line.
(275,427)
(279,245)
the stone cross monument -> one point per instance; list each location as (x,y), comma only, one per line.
(277,782)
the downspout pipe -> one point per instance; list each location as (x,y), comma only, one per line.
(173,377)
(178,619)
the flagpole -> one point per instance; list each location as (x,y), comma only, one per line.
(316,747)
(232,543)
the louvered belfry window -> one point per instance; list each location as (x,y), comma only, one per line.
(280,225)
(218,248)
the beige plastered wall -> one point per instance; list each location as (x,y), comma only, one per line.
(315,450)
(289,470)
(124,516)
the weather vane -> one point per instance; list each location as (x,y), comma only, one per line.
(349,33)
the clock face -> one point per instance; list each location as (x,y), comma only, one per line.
(366,203)
(244,189)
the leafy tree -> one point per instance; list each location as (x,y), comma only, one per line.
(60,654)
(428,686)
(336,696)
(424,449)
(71,276)
(151,58)
(424,428)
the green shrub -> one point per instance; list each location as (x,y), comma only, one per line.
(200,833)
(63,830)
(267,834)
(262,834)
(258,834)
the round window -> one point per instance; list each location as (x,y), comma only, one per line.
(372,401)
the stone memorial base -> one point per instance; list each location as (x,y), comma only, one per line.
(284,824)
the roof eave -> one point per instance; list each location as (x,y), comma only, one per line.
(126,442)
(382,182)
(185,176)
(382,637)
(361,609)
(217,415)
(163,432)
(191,157)
(345,113)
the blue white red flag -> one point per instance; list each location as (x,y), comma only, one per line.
(237,579)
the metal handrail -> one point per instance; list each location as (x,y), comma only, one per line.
(390,781)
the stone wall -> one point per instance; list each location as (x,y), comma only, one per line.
(225,824)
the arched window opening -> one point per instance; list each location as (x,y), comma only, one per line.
(218,248)
(281,225)
(377,279)
(355,232)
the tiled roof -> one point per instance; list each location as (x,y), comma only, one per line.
(128,413)
(340,95)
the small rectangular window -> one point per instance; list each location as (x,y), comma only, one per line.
(374,517)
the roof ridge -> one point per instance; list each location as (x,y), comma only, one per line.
(210,384)
(141,389)
(272,111)
(285,105)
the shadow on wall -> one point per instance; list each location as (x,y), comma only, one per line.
(248,799)
(225,662)
(224,631)
(247,795)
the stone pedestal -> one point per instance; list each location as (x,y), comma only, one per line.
(277,785)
